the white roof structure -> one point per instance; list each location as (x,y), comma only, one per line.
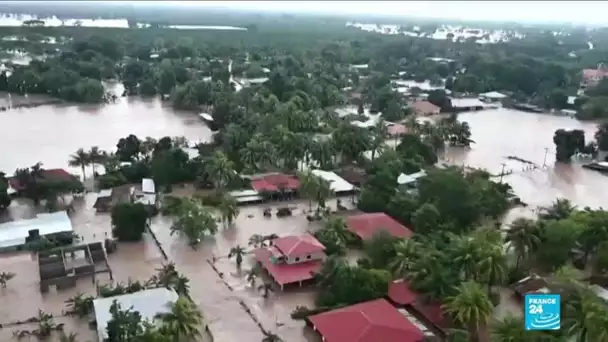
(493,95)
(147,186)
(407,179)
(105,193)
(359,66)
(464,103)
(148,303)
(206,116)
(246,196)
(14,233)
(337,183)
(600,291)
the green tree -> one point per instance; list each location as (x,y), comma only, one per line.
(523,237)
(129,221)
(193,221)
(229,210)
(183,321)
(80,159)
(237,252)
(470,306)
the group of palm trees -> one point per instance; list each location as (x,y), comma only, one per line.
(92,157)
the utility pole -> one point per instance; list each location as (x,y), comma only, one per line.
(502,172)
(545,159)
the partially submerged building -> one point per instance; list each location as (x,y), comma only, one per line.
(366,225)
(292,259)
(149,303)
(15,234)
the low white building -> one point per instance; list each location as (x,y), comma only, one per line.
(147,196)
(338,184)
(15,233)
(149,303)
(492,96)
(410,179)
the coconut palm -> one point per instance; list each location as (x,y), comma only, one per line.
(252,275)
(379,134)
(336,227)
(308,186)
(95,157)
(523,236)
(510,329)
(183,321)
(470,306)
(270,337)
(559,210)
(5,277)
(406,252)
(110,162)
(80,159)
(220,170)
(80,305)
(228,209)
(584,316)
(322,151)
(323,192)
(256,241)
(466,255)
(492,267)
(238,252)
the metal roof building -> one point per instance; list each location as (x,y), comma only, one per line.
(14,233)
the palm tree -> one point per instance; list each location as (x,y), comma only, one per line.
(80,159)
(256,241)
(406,252)
(323,192)
(221,170)
(337,229)
(238,252)
(183,321)
(493,266)
(5,277)
(252,275)
(510,329)
(80,305)
(523,237)
(559,210)
(67,337)
(470,306)
(308,186)
(95,157)
(322,151)
(379,134)
(266,288)
(228,209)
(111,162)
(466,255)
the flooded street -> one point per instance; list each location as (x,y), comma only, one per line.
(500,133)
(50,134)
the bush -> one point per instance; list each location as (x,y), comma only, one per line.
(170,205)
(302,312)
(129,221)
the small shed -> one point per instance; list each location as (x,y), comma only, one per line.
(103,203)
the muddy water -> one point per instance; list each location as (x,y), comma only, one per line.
(51,133)
(501,132)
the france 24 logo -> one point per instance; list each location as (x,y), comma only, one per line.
(542,312)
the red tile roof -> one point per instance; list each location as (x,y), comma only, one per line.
(296,246)
(55,175)
(397,129)
(401,293)
(366,225)
(424,107)
(274,182)
(287,273)
(373,321)
(594,73)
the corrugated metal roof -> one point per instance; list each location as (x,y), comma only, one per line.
(14,233)
(147,186)
(148,303)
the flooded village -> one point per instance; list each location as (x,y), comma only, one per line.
(252,196)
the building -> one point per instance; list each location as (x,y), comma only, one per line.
(292,259)
(246,196)
(467,104)
(531,284)
(275,182)
(396,130)
(50,175)
(427,314)
(365,226)
(17,233)
(108,198)
(338,185)
(149,303)
(492,96)
(147,195)
(410,180)
(591,77)
(373,321)
(424,108)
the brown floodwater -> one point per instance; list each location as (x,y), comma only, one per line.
(50,133)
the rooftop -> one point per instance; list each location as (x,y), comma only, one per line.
(467,102)
(401,293)
(53,175)
(424,107)
(412,177)
(337,183)
(396,129)
(14,233)
(366,225)
(287,273)
(301,245)
(149,303)
(273,182)
(493,95)
(371,321)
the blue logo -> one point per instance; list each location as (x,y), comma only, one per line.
(542,312)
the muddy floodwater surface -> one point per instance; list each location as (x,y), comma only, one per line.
(51,133)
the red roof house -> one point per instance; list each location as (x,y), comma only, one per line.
(424,108)
(292,259)
(366,225)
(373,321)
(51,175)
(397,130)
(591,77)
(274,182)
(401,294)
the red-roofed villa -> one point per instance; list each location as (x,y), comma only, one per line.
(50,175)
(373,321)
(292,259)
(275,182)
(430,314)
(368,224)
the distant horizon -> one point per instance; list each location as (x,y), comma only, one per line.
(539,12)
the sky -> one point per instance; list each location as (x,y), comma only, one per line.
(579,12)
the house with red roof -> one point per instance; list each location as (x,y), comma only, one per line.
(292,259)
(429,314)
(373,321)
(367,224)
(46,175)
(591,77)
(275,183)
